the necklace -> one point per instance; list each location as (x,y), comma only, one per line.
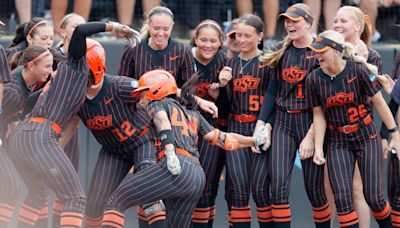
(245,65)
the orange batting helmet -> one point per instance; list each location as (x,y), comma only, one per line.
(96,58)
(160,84)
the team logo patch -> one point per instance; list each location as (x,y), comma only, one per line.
(99,122)
(293,74)
(245,83)
(340,99)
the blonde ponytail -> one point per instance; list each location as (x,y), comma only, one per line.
(272,58)
(350,52)
(144,31)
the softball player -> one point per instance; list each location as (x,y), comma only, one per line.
(10,188)
(36,152)
(111,114)
(157,50)
(293,125)
(339,93)
(245,93)
(392,88)
(356,29)
(177,178)
(209,60)
(37,31)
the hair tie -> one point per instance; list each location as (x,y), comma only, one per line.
(367,21)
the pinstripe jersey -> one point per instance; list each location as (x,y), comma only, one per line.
(375,59)
(113,117)
(208,74)
(291,78)
(175,58)
(15,95)
(10,52)
(186,124)
(246,90)
(344,99)
(4,67)
(65,93)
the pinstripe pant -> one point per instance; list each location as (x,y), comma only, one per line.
(180,193)
(111,169)
(246,169)
(394,188)
(9,188)
(42,163)
(288,132)
(212,159)
(342,151)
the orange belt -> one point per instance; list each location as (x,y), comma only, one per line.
(161,154)
(243,118)
(57,129)
(351,128)
(291,111)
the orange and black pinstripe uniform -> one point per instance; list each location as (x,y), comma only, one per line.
(35,150)
(14,95)
(180,193)
(211,158)
(287,93)
(121,127)
(246,170)
(175,58)
(344,101)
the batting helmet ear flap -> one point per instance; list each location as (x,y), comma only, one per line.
(95,58)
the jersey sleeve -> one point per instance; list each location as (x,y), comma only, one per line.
(10,97)
(126,86)
(4,67)
(312,95)
(127,62)
(155,107)
(204,126)
(268,105)
(369,82)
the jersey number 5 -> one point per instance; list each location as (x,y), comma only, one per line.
(255,102)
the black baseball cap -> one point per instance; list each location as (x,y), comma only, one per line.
(322,44)
(296,14)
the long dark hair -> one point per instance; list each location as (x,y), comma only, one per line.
(28,28)
(188,91)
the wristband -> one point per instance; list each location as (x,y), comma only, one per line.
(393,130)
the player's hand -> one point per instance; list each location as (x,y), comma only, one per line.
(395,143)
(385,147)
(225,75)
(387,83)
(209,107)
(213,90)
(319,158)
(173,164)
(307,147)
(124,31)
